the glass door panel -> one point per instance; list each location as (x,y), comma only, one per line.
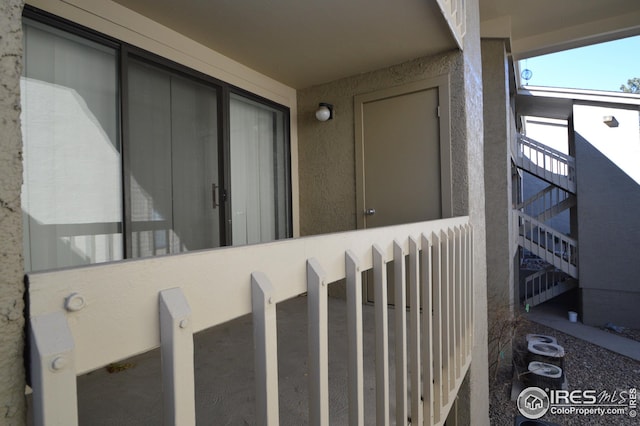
(72,191)
(259,172)
(149,152)
(173,162)
(194,136)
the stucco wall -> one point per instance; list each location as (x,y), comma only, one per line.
(608,225)
(497,162)
(326,149)
(12,382)
(475,196)
(327,164)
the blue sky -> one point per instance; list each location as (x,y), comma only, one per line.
(599,67)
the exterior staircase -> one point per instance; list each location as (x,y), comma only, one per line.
(554,249)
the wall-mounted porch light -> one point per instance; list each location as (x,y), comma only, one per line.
(324,112)
(610,121)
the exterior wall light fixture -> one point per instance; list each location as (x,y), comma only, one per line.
(610,121)
(324,112)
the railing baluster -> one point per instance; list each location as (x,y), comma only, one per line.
(382,336)
(463,294)
(467,295)
(176,343)
(471,266)
(354,335)
(265,340)
(428,363)
(437,328)
(453,369)
(400,333)
(458,302)
(446,318)
(318,345)
(414,335)
(53,376)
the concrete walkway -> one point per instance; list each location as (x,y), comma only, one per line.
(555,316)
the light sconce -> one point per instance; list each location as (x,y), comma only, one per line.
(324,112)
(610,121)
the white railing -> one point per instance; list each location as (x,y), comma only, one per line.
(546,284)
(85,318)
(550,245)
(547,203)
(547,163)
(454,11)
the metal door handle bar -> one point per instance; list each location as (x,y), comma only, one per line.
(214,200)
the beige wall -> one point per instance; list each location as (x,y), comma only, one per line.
(327,164)
(12,381)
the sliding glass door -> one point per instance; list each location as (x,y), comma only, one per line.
(173,162)
(130,155)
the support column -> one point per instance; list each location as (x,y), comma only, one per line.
(12,377)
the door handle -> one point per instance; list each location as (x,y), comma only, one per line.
(369,212)
(214,201)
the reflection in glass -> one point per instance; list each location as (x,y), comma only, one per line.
(71,196)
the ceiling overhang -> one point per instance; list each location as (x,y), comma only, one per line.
(303,43)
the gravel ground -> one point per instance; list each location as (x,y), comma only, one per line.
(587,366)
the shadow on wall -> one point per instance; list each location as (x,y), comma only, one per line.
(608,233)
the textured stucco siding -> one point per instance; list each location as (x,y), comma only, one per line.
(12,381)
(475,199)
(497,166)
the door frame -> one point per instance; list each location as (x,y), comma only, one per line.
(444,119)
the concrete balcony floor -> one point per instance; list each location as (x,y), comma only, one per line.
(224,374)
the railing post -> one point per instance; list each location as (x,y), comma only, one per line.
(318,345)
(428,318)
(53,373)
(437,328)
(354,335)
(400,332)
(265,341)
(446,317)
(176,342)
(382,337)
(458,301)
(453,349)
(414,326)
